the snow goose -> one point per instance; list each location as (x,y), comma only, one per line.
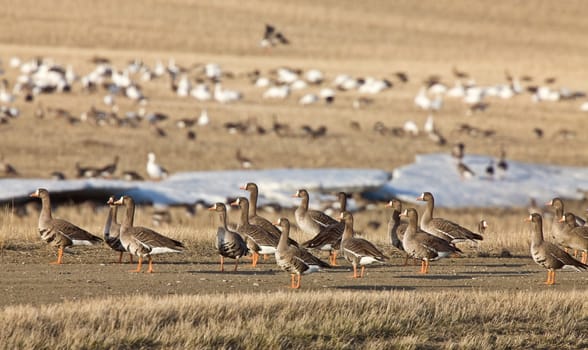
(259,240)
(201,92)
(293,259)
(58,232)
(224,95)
(421,245)
(358,251)
(547,254)
(203,119)
(277,92)
(154,170)
(310,221)
(442,228)
(308,99)
(112,231)
(314,76)
(141,241)
(228,243)
(576,236)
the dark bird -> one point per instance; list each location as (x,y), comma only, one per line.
(272,37)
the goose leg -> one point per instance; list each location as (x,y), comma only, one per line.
(426,266)
(584,257)
(575,253)
(222,262)
(130,258)
(254,259)
(333,258)
(298,283)
(406,260)
(59,257)
(422,267)
(236,264)
(355,271)
(150,264)
(362,271)
(291,280)
(120,257)
(139,265)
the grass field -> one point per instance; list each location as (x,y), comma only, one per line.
(542,39)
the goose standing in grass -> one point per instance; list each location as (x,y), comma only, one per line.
(442,228)
(358,251)
(295,260)
(112,226)
(255,219)
(548,254)
(58,232)
(396,227)
(259,241)
(558,232)
(422,245)
(310,221)
(576,236)
(141,241)
(228,243)
(154,170)
(329,238)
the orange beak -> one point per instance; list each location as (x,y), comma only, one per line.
(388,205)
(244,187)
(420,198)
(550,203)
(235,203)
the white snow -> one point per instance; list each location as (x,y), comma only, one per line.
(436,173)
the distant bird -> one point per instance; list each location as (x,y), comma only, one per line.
(154,170)
(203,119)
(502,165)
(482,226)
(314,133)
(141,241)
(538,132)
(131,175)
(6,168)
(458,151)
(464,171)
(245,162)
(228,243)
(58,232)
(548,254)
(108,170)
(272,37)
(490,169)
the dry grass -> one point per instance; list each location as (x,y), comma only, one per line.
(339,320)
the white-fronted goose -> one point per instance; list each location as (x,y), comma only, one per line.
(358,251)
(259,241)
(154,170)
(396,228)
(112,226)
(310,221)
(558,233)
(295,260)
(442,228)
(547,254)
(58,232)
(329,238)
(228,243)
(576,236)
(141,241)
(421,245)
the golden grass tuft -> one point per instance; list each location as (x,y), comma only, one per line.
(343,320)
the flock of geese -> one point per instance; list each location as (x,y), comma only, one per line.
(427,239)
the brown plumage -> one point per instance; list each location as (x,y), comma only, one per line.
(329,237)
(422,245)
(358,251)
(259,240)
(112,226)
(442,228)
(141,241)
(558,232)
(295,260)
(547,254)
(310,221)
(396,227)
(57,232)
(228,243)
(576,236)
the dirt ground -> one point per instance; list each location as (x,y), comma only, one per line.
(28,278)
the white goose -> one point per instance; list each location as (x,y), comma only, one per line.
(154,170)
(225,96)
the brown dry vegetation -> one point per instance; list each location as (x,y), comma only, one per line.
(539,38)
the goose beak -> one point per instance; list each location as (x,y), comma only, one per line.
(388,205)
(404,213)
(550,203)
(119,201)
(562,219)
(235,203)
(34,194)
(110,201)
(528,219)
(212,208)
(420,198)
(244,187)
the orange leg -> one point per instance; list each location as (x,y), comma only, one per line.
(120,257)
(298,283)
(355,271)
(422,267)
(584,257)
(575,253)
(150,264)
(139,265)
(362,271)
(550,277)
(236,264)
(59,257)
(291,280)
(254,259)
(406,260)
(222,263)
(264,257)
(333,258)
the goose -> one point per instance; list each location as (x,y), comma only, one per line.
(203,119)
(58,232)
(502,165)
(259,240)
(421,245)
(141,241)
(396,228)
(272,37)
(547,254)
(6,168)
(310,221)
(358,251)
(112,226)
(293,259)
(201,92)
(464,171)
(108,170)
(154,170)
(442,228)
(225,96)
(329,237)
(557,227)
(228,243)
(576,236)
